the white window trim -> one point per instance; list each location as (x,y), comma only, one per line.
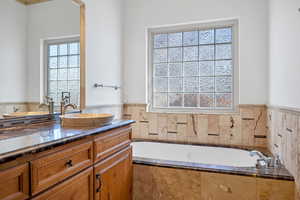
(150,31)
(44,60)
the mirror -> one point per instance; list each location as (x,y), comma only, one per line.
(41,57)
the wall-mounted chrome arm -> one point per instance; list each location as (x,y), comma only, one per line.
(96,85)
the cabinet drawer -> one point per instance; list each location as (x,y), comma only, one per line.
(110,142)
(79,187)
(14,183)
(55,167)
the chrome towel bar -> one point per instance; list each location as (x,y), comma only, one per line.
(97,85)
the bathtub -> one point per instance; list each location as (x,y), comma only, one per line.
(178,171)
(206,155)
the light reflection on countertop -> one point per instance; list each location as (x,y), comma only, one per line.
(19,141)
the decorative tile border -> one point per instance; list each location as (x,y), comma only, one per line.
(284,138)
(248,127)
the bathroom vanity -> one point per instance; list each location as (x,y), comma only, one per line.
(50,162)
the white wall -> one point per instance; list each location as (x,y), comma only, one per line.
(284,53)
(58,18)
(253,16)
(61,18)
(12,51)
(104,50)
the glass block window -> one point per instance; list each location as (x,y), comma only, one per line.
(192,69)
(63,70)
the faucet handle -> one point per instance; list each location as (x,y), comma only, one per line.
(261,163)
(48,99)
(276,161)
(65,97)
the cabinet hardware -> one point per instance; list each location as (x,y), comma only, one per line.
(69,163)
(98,177)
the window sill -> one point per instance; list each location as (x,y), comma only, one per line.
(233,111)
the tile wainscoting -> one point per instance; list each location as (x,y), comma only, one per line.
(284,138)
(10,107)
(247,128)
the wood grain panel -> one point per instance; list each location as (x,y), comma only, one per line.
(51,169)
(110,142)
(113,177)
(79,187)
(14,183)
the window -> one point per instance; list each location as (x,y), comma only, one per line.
(193,68)
(63,69)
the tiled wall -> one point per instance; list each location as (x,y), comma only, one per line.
(284,138)
(6,108)
(245,128)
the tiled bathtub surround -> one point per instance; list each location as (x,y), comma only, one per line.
(284,138)
(244,128)
(161,183)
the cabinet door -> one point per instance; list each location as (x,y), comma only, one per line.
(79,187)
(14,183)
(113,177)
(217,186)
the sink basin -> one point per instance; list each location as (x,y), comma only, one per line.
(84,120)
(24,114)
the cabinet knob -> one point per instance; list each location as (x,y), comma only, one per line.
(69,163)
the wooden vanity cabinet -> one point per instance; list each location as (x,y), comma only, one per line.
(14,183)
(96,167)
(113,177)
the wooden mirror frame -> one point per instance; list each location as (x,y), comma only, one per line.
(82,54)
(81,4)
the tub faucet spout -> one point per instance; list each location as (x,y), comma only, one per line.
(263,160)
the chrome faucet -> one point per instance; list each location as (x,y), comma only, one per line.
(49,104)
(265,161)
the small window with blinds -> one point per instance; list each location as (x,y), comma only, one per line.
(63,69)
(193,68)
